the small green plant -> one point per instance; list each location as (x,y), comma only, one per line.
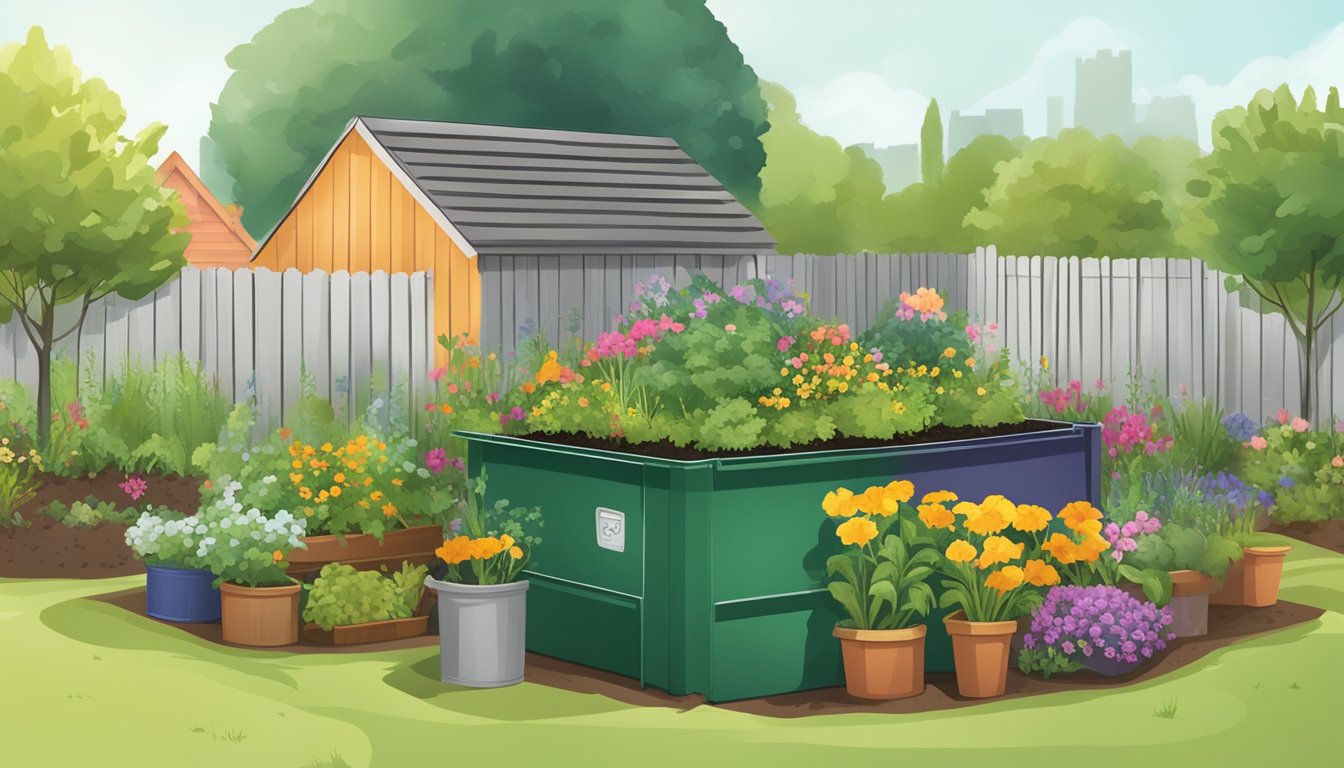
(1200,438)
(20,466)
(333,761)
(1167,711)
(342,595)
(1046,662)
(89,513)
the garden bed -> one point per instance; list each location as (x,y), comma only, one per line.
(666,450)
(48,549)
(1227,625)
(1328,534)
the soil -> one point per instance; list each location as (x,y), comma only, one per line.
(47,549)
(1227,625)
(663,449)
(1327,535)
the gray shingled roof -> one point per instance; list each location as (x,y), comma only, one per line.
(533,191)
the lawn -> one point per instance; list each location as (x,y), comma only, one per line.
(89,683)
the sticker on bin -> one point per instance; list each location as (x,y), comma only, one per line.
(610,529)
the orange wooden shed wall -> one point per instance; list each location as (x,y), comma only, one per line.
(357,217)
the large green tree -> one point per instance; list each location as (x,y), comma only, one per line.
(816,196)
(81,215)
(931,145)
(1083,195)
(930,217)
(1270,211)
(660,67)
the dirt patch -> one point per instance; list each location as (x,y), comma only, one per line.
(1327,535)
(1227,625)
(663,449)
(46,549)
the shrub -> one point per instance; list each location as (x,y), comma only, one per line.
(20,465)
(342,595)
(1099,628)
(89,513)
(162,537)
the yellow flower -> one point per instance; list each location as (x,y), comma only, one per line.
(960,551)
(305,493)
(970,361)
(376,496)
(277,556)
(992,515)
(1031,518)
(1006,579)
(506,541)
(335,490)
(6,456)
(874,501)
(297,464)
(1061,548)
(1045,363)
(936,516)
(1039,574)
(1078,514)
(900,490)
(840,503)
(966,509)
(938,497)
(397,481)
(583,402)
(516,553)
(856,530)
(997,549)
(389,509)
(1090,548)
(326,447)
(980,391)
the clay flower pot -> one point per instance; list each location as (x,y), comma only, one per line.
(980,651)
(1190,592)
(260,616)
(883,663)
(1254,579)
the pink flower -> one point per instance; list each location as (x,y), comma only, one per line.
(1259,443)
(437,373)
(436,460)
(1338,461)
(135,487)
(973,333)
(1282,416)
(784,343)
(1301,425)
(730,328)
(1100,385)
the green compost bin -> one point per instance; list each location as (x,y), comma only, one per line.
(709,576)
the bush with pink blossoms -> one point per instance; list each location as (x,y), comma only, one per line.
(1100,628)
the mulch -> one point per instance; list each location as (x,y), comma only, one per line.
(1227,625)
(47,549)
(1327,535)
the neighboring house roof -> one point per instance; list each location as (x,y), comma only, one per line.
(499,190)
(217,236)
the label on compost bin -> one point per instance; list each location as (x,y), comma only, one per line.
(610,529)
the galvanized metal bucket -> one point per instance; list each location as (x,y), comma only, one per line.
(482,632)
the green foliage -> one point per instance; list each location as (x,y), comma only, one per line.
(663,69)
(20,465)
(1080,195)
(1047,661)
(1315,501)
(931,146)
(161,536)
(885,587)
(1201,440)
(342,595)
(1267,211)
(926,217)
(89,513)
(84,216)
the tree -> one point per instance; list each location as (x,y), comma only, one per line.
(931,145)
(81,215)
(817,197)
(617,66)
(930,218)
(1268,211)
(1083,195)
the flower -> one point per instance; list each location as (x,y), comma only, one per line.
(516,553)
(1301,425)
(874,501)
(784,343)
(1338,461)
(1082,517)
(437,373)
(936,516)
(900,490)
(1239,426)
(938,497)
(1039,574)
(1259,443)
(840,503)
(991,516)
(1006,579)
(436,460)
(949,352)
(134,486)
(856,530)
(1045,363)
(1030,518)
(730,328)
(960,551)
(997,549)
(389,509)
(1282,416)
(277,556)
(1061,548)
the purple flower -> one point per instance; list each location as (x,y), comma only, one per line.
(1240,427)
(436,460)
(1099,621)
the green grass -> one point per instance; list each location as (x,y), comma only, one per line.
(138,693)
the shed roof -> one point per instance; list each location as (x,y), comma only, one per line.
(507,190)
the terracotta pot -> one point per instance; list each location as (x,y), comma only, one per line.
(1254,579)
(1190,592)
(363,551)
(883,663)
(980,652)
(259,616)
(369,632)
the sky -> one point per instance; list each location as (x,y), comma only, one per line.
(863,70)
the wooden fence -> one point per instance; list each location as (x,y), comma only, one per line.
(258,332)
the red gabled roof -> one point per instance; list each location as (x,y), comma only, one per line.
(217,236)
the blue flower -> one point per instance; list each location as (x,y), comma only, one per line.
(1286,482)
(1240,427)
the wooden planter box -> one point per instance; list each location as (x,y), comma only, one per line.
(363,551)
(372,632)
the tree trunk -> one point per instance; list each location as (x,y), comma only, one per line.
(1306,371)
(45,332)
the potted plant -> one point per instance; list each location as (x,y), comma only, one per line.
(1253,579)
(882,586)
(1100,628)
(178,586)
(259,602)
(347,606)
(482,604)
(984,582)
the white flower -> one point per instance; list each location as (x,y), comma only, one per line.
(233,542)
(225,523)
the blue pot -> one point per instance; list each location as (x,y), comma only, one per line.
(181,594)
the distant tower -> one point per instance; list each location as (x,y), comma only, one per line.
(1054,116)
(900,164)
(963,129)
(1104,100)
(1170,116)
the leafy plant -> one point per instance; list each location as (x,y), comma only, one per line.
(163,537)
(20,465)
(89,513)
(1167,711)
(885,567)
(246,546)
(1098,627)
(342,595)
(495,544)
(1200,439)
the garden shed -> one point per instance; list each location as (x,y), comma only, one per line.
(523,228)
(217,236)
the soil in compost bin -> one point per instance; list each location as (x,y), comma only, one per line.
(1227,625)
(1328,534)
(47,549)
(663,449)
